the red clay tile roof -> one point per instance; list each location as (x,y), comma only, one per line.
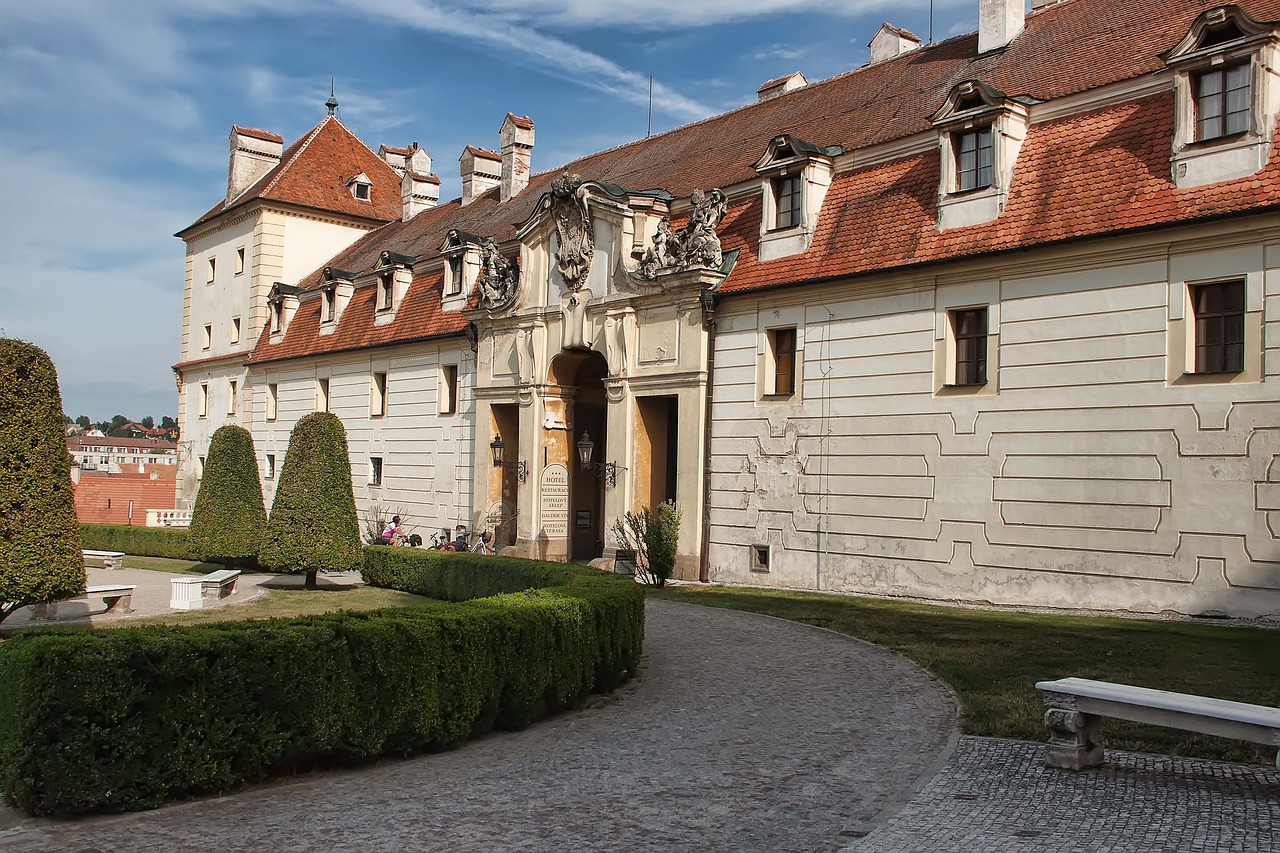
(432,178)
(482,153)
(522,122)
(899,31)
(392,149)
(95,491)
(1090,174)
(769,84)
(313,173)
(258,134)
(213,359)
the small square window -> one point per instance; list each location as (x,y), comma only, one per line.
(782,357)
(378,395)
(1219,313)
(375,470)
(975,159)
(273,401)
(1222,102)
(360,190)
(759,558)
(969,331)
(204,400)
(208,336)
(212,271)
(270,473)
(240,261)
(235,330)
(448,389)
(322,395)
(787,195)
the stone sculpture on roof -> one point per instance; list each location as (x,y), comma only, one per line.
(694,245)
(573,227)
(498,277)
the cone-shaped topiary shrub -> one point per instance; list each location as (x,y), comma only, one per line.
(313,526)
(229,518)
(40,556)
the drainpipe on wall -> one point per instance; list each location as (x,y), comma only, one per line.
(704,558)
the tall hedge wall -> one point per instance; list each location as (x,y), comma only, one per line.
(139,541)
(123,719)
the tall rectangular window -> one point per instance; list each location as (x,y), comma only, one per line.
(787,194)
(240,261)
(275,318)
(969,329)
(322,395)
(270,472)
(378,395)
(782,346)
(233,397)
(455,276)
(204,400)
(235,330)
(1219,313)
(199,467)
(211,271)
(1222,102)
(975,159)
(207,340)
(375,470)
(330,306)
(273,401)
(448,389)
(386,291)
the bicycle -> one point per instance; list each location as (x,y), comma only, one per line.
(485,541)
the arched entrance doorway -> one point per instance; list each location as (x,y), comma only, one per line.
(581,375)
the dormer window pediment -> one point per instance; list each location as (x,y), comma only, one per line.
(980,132)
(393,276)
(1227,98)
(282,303)
(795,175)
(361,187)
(461,252)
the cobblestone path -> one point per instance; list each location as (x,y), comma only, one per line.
(743,733)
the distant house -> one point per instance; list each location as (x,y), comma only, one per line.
(90,453)
(123,496)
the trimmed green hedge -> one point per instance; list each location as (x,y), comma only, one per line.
(139,541)
(123,719)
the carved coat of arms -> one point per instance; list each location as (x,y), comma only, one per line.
(573,227)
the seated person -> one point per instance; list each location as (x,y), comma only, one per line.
(460,538)
(393,535)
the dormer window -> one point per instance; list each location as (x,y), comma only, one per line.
(980,132)
(795,176)
(1224,85)
(282,301)
(275,316)
(335,293)
(463,259)
(455,276)
(386,291)
(361,187)
(329,312)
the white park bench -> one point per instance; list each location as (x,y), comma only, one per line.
(117,597)
(109,559)
(189,593)
(1077,706)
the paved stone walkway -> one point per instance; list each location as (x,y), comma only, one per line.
(743,733)
(997,796)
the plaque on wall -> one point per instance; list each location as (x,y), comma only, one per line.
(554,501)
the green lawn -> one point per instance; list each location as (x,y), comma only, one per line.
(170,566)
(993,659)
(289,602)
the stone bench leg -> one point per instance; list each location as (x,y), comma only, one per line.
(119,603)
(1075,739)
(45,610)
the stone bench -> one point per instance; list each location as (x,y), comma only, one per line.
(1077,706)
(117,597)
(189,593)
(109,559)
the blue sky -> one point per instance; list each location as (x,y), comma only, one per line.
(114,117)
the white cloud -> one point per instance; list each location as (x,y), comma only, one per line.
(778,51)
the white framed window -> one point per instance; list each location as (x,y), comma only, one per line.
(375,470)
(966,339)
(211,270)
(204,400)
(329,313)
(980,132)
(780,370)
(1223,101)
(269,472)
(235,330)
(199,467)
(795,176)
(448,389)
(275,317)
(273,401)
(322,394)
(455,276)
(240,260)
(386,291)
(377,395)
(967,328)
(233,396)
(788,200)
(974,159)
(1218,309)
(207,339)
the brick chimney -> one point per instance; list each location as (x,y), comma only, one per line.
(253,153)
(481,171)
(516,135)
(999,22)
(890,41)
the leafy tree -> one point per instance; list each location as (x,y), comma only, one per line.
(83,422)
(148,422)
(40,556)
(229,518)
(313,526)
(167,422)
(653,534)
